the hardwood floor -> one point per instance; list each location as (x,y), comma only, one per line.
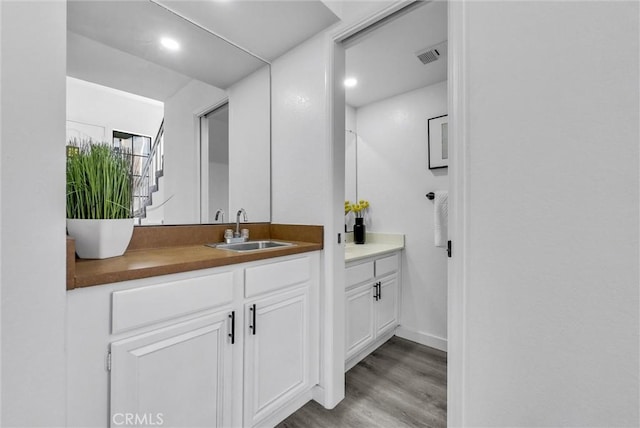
(401,384)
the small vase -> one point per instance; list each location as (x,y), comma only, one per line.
(359,231)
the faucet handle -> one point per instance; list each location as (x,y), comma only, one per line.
(228,234)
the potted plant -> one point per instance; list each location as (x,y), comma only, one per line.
(99,199)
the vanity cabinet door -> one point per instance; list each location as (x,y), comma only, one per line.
(359,318)
(386,308)
(277,352)
(179,375)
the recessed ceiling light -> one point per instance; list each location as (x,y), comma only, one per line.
(350,82)
(170,44)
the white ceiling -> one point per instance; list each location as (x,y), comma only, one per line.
(384,61)
(116,42)
(265,28)
(94,62)
(135,27)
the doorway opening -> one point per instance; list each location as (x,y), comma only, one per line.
(214,154)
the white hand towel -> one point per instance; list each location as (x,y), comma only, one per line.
(441,217)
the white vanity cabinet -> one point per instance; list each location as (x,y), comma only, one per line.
(234,346)
(371,305)
(173,365)
(281,338)
(175,376)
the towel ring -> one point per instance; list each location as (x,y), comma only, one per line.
(430,196)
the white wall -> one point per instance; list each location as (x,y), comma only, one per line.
(110,109)
(308,179)
(32,197)
(250,146)
(182,151)
(299,178)
(551,297)
(393,175)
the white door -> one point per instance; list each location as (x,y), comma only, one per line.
(277,352)
(359,318)
(386,312)
(174,376)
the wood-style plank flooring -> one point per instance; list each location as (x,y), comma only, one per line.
(401,384)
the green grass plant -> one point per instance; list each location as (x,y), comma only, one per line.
(98,182)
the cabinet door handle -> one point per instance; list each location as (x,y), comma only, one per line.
(375,295)
(379,290)
(232,335)
(253,319)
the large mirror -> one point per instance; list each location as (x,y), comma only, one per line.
(193,108)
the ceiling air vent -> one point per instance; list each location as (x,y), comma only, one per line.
(432,53)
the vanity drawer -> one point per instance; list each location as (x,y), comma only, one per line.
(139,307)
(358,273)
(273,276)
(387,265)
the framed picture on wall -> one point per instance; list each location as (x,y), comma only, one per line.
(438,142)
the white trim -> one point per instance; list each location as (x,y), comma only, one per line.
(287,410)
(211,107)
(425,339)
(458,185)
(345,33)
(332,340)
(202,150)
(318,394)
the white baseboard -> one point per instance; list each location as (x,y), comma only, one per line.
(318,394)
(422,338)
(287,410)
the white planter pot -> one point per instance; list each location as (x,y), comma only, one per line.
(100,239)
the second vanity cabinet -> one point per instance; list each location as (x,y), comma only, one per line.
(234,346)
(372,296)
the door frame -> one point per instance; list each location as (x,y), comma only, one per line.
(458,184)
(203,152)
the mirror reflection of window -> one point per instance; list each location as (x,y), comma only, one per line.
(140,147)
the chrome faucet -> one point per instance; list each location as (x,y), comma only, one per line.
(219,213)
(236,234)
